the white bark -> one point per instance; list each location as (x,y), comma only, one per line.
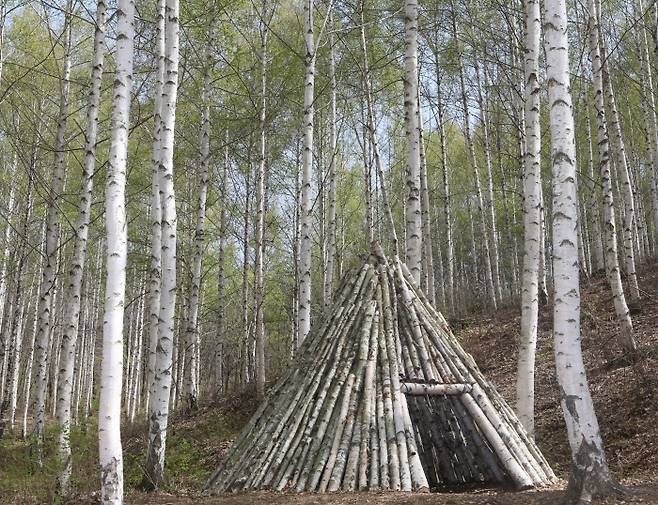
(305,244)
(192,332)
(413,206)
(611,256)
(650,115)
(426,225)
(137,363)
(598,262)
(159,409)
(447,212)
(30,353)
(109,415)
(491,211)
(72,295)
(156,208)
(328,282)
(89,391)
(222,192)
(628,218)
(525,379)
(588,459)
(3,19)
(259,280)
(5,300)
(11,202)
(52,234)
(13,343)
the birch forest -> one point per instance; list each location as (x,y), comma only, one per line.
(397,251)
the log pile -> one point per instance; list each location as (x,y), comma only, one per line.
(381,396)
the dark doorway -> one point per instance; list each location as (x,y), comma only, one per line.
(452,450)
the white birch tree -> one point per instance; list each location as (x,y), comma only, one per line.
(328,281)
(525,379)
(161,386)
(42,342)
(304,300)
(305,210)
(413,218)
(109,415)
(589,477)
(73,290)
(627,338)
(192,332)
(156,209)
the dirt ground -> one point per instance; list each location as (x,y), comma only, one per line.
(645,495)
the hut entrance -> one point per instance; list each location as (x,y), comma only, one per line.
(453,451)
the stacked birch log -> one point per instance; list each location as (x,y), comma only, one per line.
(381,396)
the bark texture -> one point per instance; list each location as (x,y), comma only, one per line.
(109,415)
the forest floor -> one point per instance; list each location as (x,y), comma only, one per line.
(625,396)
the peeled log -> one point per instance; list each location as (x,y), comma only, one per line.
(419,389)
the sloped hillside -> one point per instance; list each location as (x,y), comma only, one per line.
(625,395)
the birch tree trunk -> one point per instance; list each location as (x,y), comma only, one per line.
(447,212)
(109,415)
(222,191)
(244,343)
(11,204)
(3,20)
(72,296)
(30,354)
(295,252)
(14,318)
(328,281)
(155,278)
(137,367)
(364,142)
(259,281)
(491,211)
(192,332)
(628,220)
(525,379)
(412,213)
(652,140)
(426,224)
(627,339)
(589,476)
(305,244)
(52,234)
(594,208)
(160,389)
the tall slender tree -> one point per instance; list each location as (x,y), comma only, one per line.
(160,389)
(192,331)
(155,277)
(42,343)
(589,477)
(73,290)
(627,338)
(413,218)
(109,415)
(525,380)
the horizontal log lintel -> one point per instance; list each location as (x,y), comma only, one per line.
(416,389)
